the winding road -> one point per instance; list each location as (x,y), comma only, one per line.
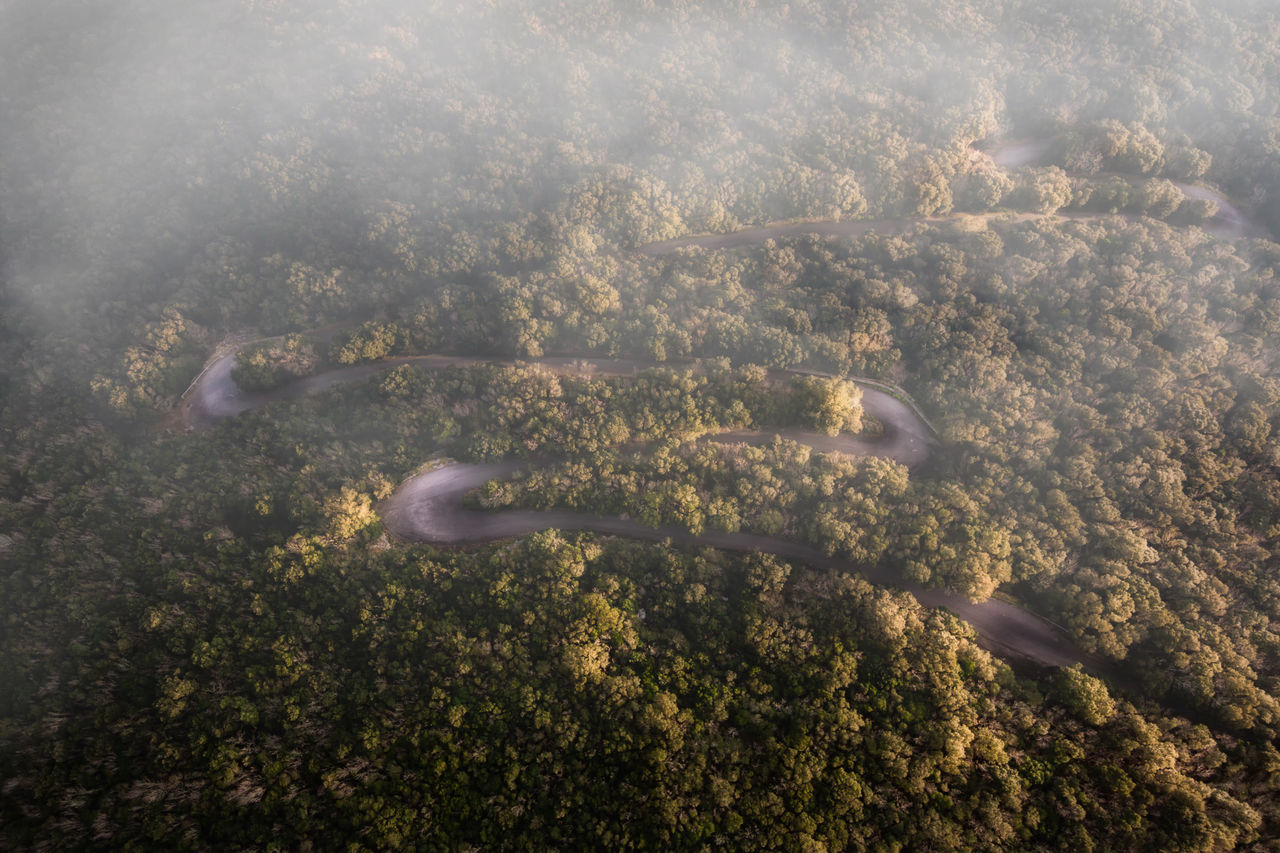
(1229,223)
(429,507)
(829,228)
(907,436)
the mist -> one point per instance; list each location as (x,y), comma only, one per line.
(610,424)
(137,135)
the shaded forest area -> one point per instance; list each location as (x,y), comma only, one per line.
(209,641)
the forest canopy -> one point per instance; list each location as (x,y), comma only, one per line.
(1045,229)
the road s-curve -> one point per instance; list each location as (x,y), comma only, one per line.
(429,507)
(1229,223)
(907,437)
(214,395)
(819,228)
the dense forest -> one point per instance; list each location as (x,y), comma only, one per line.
(1047,227)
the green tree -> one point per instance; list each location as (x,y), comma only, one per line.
(1083,695)
(828,405)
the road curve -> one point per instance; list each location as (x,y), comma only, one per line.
(753,236)
(907,437)
(214,395)
(429,508)
(1229,223)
